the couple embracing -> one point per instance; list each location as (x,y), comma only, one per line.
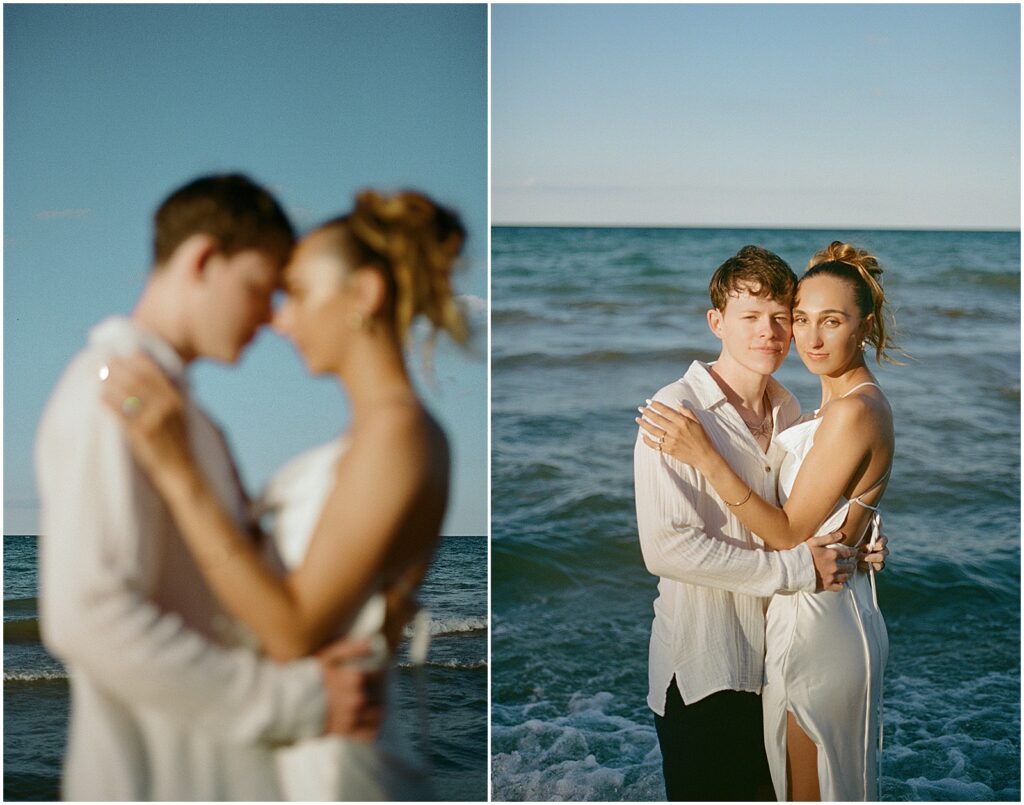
(208,660)
(767,647)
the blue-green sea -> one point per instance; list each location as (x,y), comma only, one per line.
(586,324)
(455,593)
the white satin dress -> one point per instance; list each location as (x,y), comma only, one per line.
(825,656)
(333,768)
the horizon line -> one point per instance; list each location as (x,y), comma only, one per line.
(815,227)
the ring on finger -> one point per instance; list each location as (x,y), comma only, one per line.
(131,405)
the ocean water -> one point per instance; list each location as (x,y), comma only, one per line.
(586,324)
(455,592)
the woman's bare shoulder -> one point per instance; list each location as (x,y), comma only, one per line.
(409,432)
(866,414)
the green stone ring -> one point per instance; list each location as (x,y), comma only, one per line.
(131,406)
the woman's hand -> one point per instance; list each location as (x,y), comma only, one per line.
(676,432)
(151,412)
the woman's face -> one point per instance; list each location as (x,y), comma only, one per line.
(827,325)
(316,312)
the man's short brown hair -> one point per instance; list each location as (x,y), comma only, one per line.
(757,271)
(231,208)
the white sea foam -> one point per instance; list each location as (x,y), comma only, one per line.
(588,753)
(453,625)
(453,664)
(950,789)
(34,676)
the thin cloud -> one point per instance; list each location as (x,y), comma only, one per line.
(72,212)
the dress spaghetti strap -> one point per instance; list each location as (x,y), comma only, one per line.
(871,488)
(861,385)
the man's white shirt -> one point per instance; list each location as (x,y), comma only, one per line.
(167,701)
(715,576)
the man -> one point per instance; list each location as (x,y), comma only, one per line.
(707,639)
(169,701)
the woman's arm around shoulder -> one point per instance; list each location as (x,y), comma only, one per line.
(836,461)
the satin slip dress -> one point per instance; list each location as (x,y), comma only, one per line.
(825,657)
(333,768)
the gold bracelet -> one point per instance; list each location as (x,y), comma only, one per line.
(750,491)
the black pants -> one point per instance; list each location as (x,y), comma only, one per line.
(714,749)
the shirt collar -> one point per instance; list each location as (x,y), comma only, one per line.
(122,335)
(710,395)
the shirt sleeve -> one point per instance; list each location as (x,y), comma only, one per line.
(675,543)
(94,612)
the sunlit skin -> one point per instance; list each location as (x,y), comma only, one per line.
(237,302)
(755,335)
(381,520)
(853,449)
(321,299)
(206,304)
(828,330)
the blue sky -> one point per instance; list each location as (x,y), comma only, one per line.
(108,108)
(757,115)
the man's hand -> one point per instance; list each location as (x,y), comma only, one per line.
(354,681)
(833,563)
(873,559)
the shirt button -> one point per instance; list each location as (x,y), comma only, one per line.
(767,468)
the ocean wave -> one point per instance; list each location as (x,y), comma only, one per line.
(455,665)
(958,743)
(949,789)
(960,276)
(453,625)
(679,356)
(516,316)
(585,751)
(28,678)
(929,585)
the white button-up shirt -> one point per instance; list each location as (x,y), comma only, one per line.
(166,703)
(708,628)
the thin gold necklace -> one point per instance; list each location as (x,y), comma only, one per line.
(764,427)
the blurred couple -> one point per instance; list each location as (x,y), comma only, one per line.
(768,647)
(209,661)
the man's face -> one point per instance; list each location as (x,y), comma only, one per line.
(236,300)
(755,331)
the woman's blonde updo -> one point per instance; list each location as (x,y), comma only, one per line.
(415,243)
(863,271)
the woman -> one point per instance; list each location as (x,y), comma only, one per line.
(357,519)
(825,653)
